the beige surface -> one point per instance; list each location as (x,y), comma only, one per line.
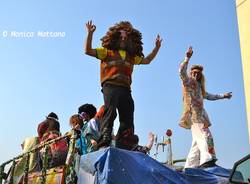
(243,15)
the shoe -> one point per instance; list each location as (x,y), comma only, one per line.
(5,176)
(142,149)
(207,164)
(103,144)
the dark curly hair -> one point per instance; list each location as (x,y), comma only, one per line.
(134,43)
(87,108)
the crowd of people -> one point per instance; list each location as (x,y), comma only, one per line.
(121,50)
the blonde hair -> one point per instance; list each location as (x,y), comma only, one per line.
(203,88)
(75,120)
(202,82)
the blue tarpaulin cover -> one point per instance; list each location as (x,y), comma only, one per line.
(117,166)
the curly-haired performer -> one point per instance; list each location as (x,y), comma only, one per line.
(121,50)
(194,117)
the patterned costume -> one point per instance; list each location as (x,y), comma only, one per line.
(87,127)
(194,117)
(121,50)
(50,129)
(89,132)
(116,71)
(34,162)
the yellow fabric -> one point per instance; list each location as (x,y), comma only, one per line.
(36,179)
(137,60)
(28,144)
(51,178)
(122,54)
(243,15)
(53,175)
(101,53)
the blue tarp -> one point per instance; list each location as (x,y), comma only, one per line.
(116,166)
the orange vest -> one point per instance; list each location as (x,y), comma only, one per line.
(116,66)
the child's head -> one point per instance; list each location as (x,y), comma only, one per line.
(52,116)
(89,109)
(76,121)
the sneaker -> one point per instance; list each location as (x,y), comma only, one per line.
(103,144)
(207,164)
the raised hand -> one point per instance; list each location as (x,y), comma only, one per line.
(189,52)
(158,41)
(90,26)
(151,138)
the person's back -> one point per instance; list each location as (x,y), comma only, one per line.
(48,130)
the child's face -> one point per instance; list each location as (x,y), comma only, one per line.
(76,122)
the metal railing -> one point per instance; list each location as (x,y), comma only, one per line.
(68,163)
(166,142)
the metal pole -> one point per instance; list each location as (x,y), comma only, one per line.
(1,173)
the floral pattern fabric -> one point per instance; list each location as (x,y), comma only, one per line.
(195,117)
(194,111)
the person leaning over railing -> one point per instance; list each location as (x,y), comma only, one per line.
(50,129)
(87,135)
(17,170)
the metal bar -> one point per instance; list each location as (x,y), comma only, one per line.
(179,160)
(70,161)
(36,148)
(26,169)
(45,165)
(1,173)
(12,172)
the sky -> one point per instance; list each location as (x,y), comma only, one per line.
(42,73)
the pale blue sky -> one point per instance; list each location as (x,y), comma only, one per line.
(40,75)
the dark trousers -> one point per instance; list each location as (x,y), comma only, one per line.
(117,98)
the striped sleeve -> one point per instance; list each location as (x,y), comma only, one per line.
(210,96)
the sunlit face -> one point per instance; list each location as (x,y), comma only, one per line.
(196,74)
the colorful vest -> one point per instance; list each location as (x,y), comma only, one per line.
(116,66)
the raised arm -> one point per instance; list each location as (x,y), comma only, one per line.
(210,96)
(154,52)
(184,65)
(88,43)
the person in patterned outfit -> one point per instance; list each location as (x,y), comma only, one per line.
(121,50)
(47,130)
(86,128)
(194,117)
